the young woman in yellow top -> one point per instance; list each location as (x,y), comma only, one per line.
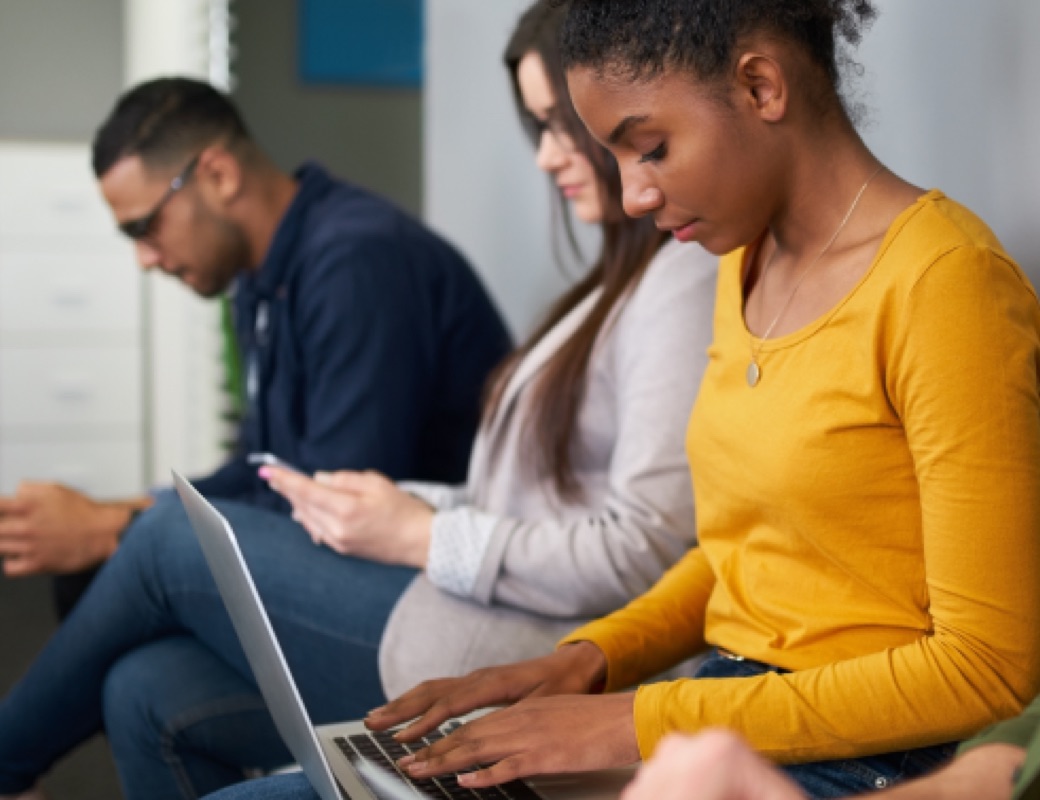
(865,449)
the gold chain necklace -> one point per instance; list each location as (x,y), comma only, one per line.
(754,370)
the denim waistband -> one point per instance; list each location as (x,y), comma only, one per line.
(721,663)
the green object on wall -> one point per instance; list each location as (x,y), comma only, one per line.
(234,384)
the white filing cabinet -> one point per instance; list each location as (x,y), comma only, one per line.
(72,404)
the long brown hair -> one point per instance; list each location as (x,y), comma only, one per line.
(628,245)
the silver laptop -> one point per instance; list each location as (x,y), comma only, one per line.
(333,756)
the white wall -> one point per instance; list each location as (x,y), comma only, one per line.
(42,98)
(184,370)
(950,105)
(951,98)
(482,189)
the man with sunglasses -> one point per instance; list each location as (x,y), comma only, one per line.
(367,339)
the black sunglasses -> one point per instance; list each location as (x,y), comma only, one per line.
(139,228)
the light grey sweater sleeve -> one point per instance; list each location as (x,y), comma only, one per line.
(588,566)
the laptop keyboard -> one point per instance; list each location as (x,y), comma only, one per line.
(383,750)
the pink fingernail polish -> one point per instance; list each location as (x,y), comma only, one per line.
(264,472)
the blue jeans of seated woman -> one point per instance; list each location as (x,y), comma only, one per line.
(820,780)
(842,777)
(150,654)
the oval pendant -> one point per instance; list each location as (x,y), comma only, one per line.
(754,374)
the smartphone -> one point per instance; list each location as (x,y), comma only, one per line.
(271,460)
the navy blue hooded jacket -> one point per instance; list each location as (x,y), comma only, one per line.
(367,341)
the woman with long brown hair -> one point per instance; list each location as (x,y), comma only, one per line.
(578,499)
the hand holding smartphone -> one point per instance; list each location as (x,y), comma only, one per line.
(271,460)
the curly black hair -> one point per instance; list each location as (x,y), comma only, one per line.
(638,39)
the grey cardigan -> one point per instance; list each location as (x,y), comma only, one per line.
(545,565)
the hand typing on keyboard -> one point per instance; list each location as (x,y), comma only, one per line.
(381,750)
(575,669)
(537,736)
(553,725)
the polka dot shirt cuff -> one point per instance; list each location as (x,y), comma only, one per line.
(458,543)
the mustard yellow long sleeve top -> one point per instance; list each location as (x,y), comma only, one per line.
(869,514)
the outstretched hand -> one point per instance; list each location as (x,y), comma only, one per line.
(360,514)
(50,528)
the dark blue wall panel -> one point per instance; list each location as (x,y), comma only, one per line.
(361,42)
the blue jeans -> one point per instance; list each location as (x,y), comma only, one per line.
(150,655)
(843,777)
(823,779)
(294,786)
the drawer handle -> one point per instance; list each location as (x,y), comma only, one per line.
(70,205)
(69,296)
(71,389)
(70,474)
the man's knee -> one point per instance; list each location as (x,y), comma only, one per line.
(167,512)
(162,537)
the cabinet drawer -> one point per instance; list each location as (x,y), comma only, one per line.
(50,191)
(108,469)
(70,386)
(69,292)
